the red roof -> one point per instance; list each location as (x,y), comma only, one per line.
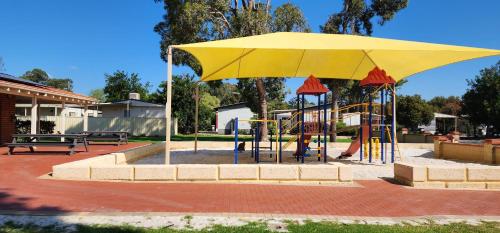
(312,86)
(377,77)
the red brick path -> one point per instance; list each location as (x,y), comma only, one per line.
(20,189)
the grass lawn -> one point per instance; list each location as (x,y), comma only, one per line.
(485,227)
(209,137)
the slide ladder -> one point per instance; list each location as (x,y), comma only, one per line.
(396,148)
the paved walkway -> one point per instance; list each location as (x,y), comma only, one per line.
(22,190)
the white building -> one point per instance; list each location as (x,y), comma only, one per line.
(225,116)
(70,110)
(443,123)
(133,107)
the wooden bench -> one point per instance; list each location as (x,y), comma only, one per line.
(107,136)
(40,140)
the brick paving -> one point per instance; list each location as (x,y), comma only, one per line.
(22,190)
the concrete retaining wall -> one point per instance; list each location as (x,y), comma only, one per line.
(488,152)
(487,177)
(111,167)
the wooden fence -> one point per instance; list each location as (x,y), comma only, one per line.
(136,126)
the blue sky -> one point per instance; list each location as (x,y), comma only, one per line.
(85,39)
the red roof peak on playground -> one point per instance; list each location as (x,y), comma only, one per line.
(377,77)
(312,86)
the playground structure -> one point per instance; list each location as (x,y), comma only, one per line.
(305,126)
(305,130)
(370,146)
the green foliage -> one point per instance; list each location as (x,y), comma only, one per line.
(356,16)
(40,76)
(184,105)
(289,18)
(120,84)
(36,75)
(206,110)
(481,102)
(448,105)
(98,94)
(227,93)
(274,91)
(413,111)
(61,83)
(24,127)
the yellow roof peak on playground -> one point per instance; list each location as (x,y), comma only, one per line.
(293,54)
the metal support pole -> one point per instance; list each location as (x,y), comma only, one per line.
(319,128)
(303,149)
(370,109)
(382,125)
(280,141)
(393,122)
(253,140)
(257,142)
(361,117)
(236,140)
(298,120)
(325,146)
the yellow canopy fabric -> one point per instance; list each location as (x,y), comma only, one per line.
(292,54)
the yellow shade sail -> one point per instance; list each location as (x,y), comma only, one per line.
(292,54)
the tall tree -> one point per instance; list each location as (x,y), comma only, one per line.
(448,105)
(40,76)
(183,102)
(413,111)
(481,102)
(98,94)
(120,84)
(204,20)
(36,75)
(355,18)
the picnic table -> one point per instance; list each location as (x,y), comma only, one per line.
(38,140)
(106,136)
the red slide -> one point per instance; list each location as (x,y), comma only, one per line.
(354,147)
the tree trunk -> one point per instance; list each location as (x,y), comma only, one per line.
(261,92)
(334,113)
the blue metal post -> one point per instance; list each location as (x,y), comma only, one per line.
(361,130)
(298,120)
(319,128)
(370,109)
(325,144)
(393,98)
(253,140)
(257,139)
(382,125)
(303,149)
(236,140)
(280,140)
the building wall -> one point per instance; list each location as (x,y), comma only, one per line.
(118,111)
(7,117)
(226,116)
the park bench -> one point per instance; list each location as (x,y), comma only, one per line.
(32,141)
(107,136)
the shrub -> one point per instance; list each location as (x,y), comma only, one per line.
(24,127)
